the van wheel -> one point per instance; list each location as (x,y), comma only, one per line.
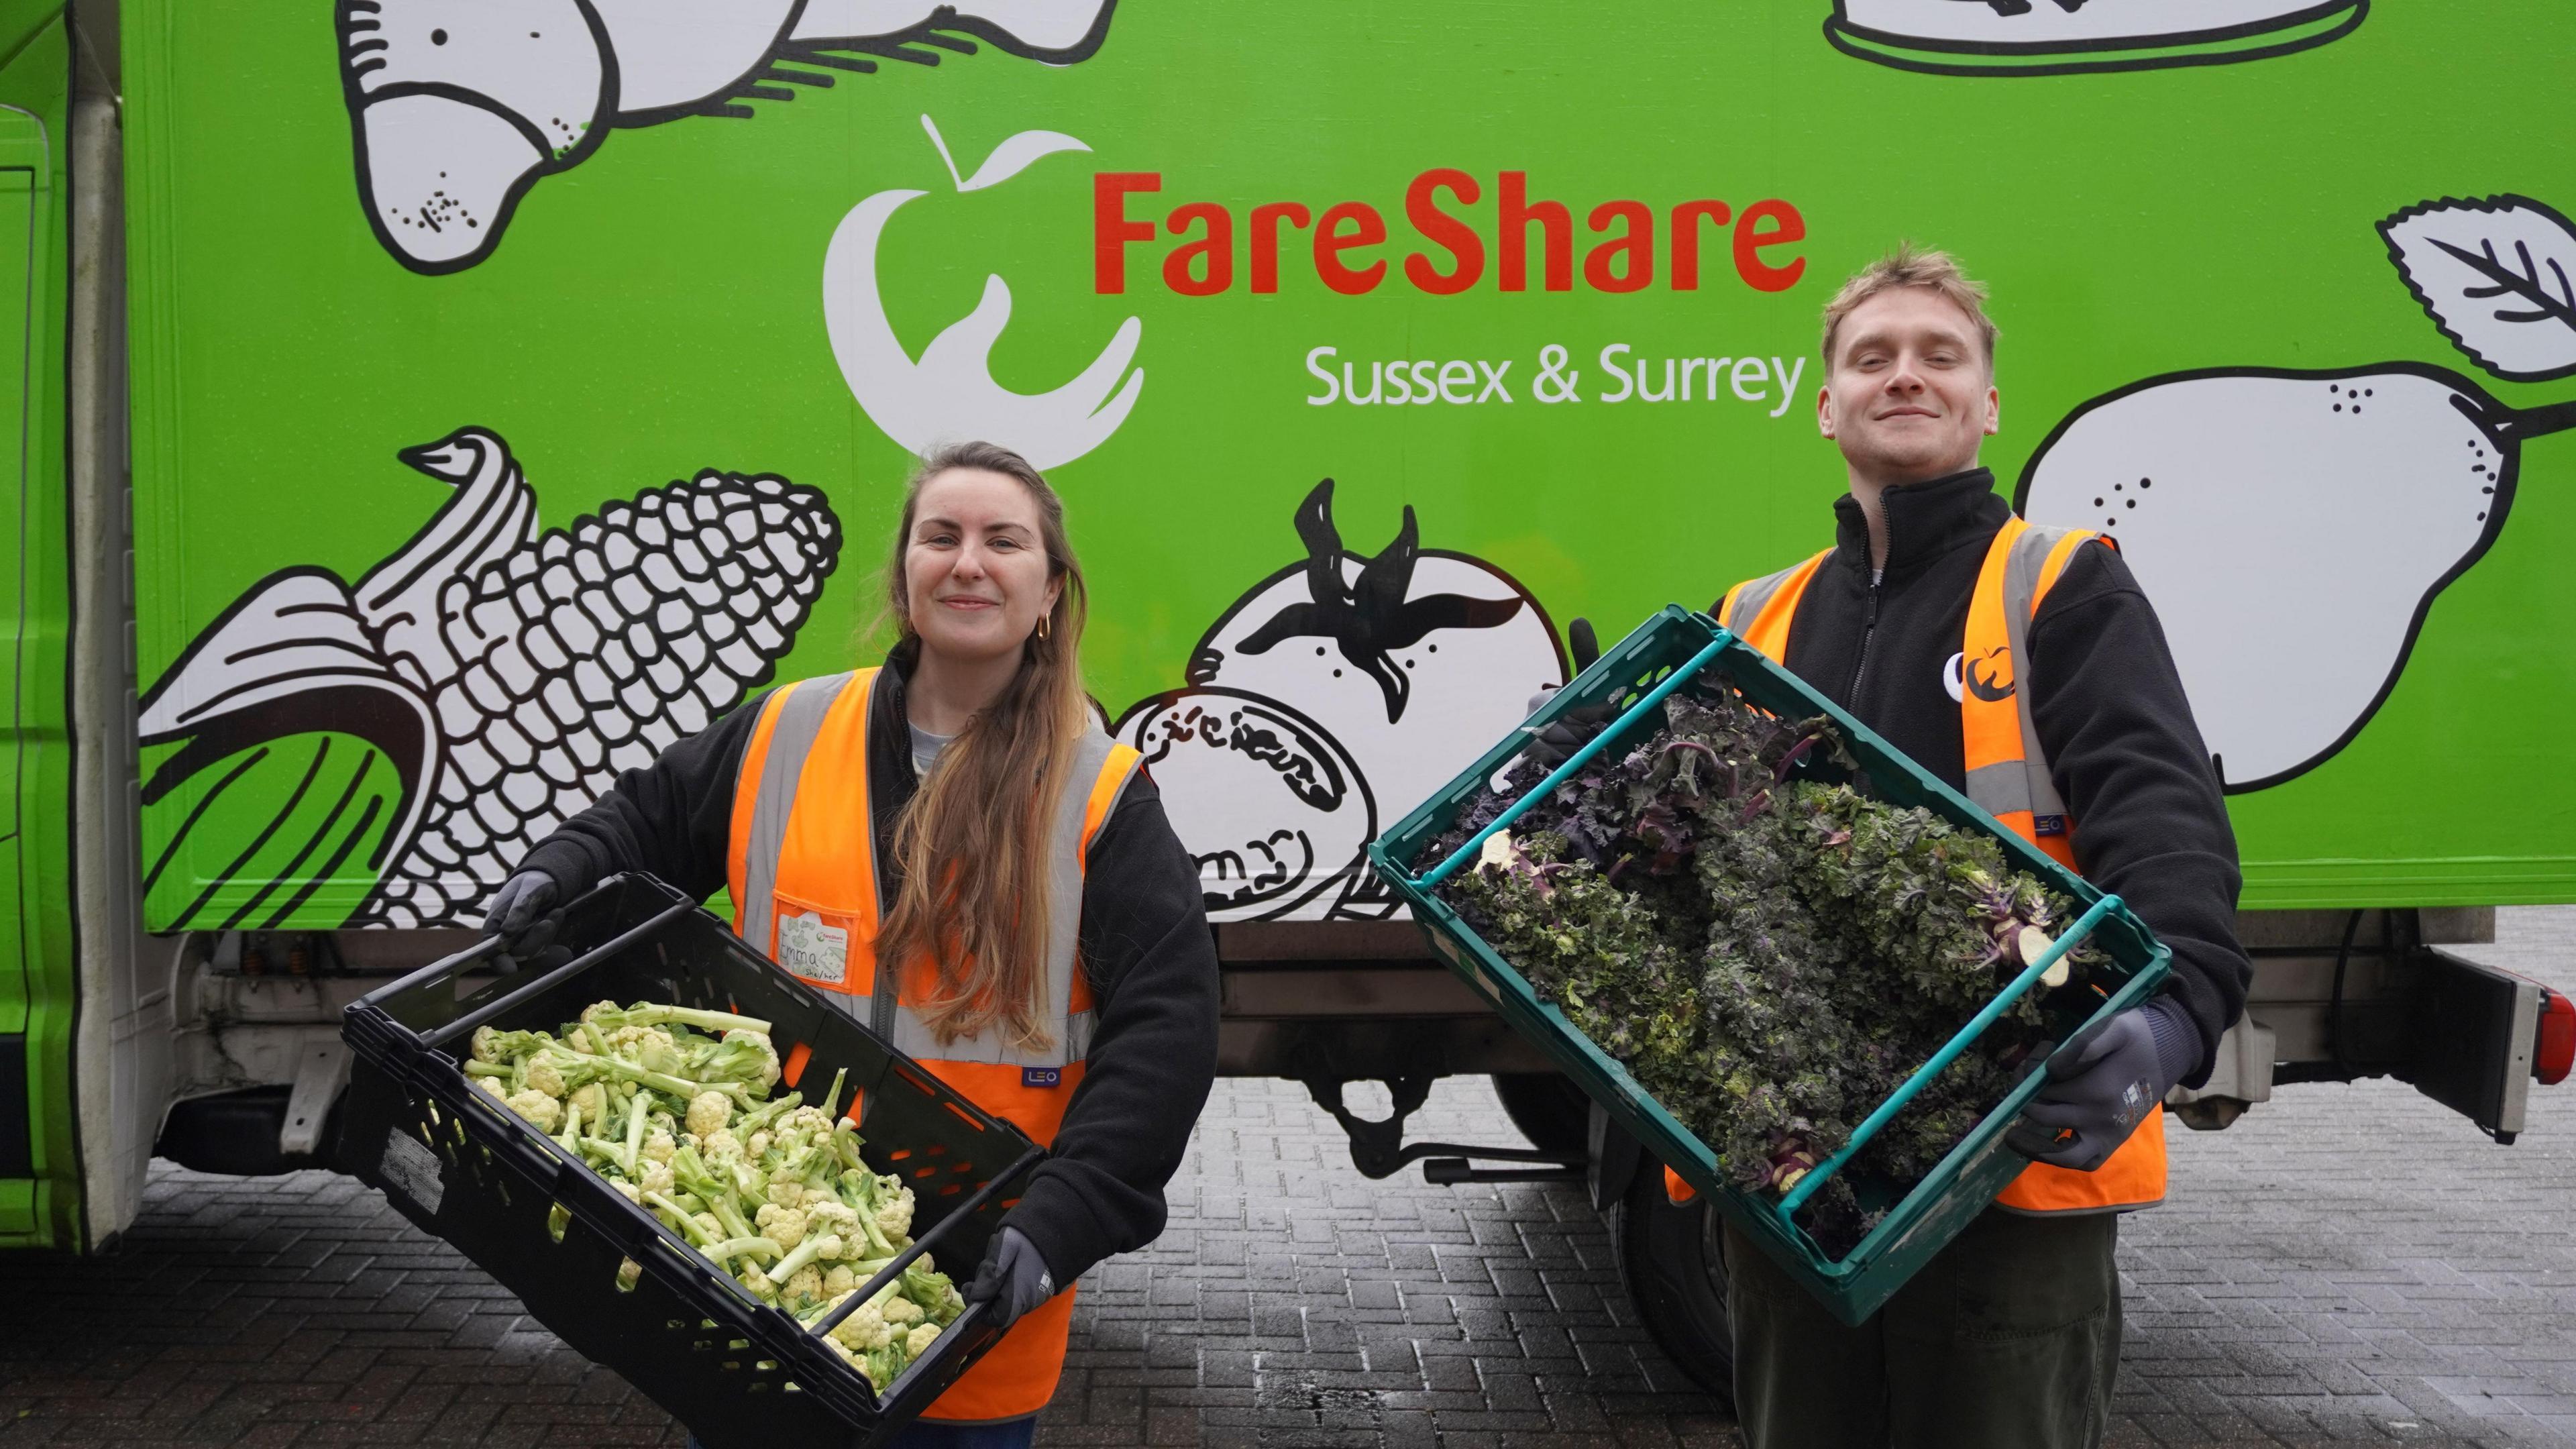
(1551,1112)
(1669,1260)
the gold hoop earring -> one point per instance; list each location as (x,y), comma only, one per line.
(1042,626)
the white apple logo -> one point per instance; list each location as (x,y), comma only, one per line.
(949,395)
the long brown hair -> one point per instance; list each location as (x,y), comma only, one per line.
(973,844)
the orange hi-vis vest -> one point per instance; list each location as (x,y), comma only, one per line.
(802,871)
(2008,778)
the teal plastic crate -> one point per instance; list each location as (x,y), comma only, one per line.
(1667,651)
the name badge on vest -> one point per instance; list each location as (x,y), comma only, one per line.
(1041,1076)
(812,948)
(2048,825)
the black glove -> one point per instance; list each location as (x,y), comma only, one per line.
(2103,1083)
(1013,1278)
(522,913)
(1552,746)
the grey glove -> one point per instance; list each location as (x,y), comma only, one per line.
(2103,1083)
(1013,1278)
(522,913)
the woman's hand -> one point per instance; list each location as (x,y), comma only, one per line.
(1013,1278)
(522,913)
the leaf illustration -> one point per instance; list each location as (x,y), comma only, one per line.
(2498,276)
(1009,159)
(1370,617)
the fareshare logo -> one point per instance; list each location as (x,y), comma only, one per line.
(948,395)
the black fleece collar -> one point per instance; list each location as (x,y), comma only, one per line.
(1924,521)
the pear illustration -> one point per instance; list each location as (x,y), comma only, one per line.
(2292,528)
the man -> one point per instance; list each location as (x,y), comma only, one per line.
(2024,666)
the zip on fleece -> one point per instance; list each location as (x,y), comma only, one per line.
(1869,619)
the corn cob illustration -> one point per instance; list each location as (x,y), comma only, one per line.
(458,108)
(504,676)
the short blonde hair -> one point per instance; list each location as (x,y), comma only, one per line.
(1913,266)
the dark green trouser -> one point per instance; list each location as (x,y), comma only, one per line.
(2009,1339)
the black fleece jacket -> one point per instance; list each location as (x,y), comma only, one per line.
(2150,822)
(1144,939)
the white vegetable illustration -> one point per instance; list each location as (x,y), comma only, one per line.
(1409,663)
(2293,527)
(949,395)
(1274,811)
(2058,37)
(495,679)
(459,106)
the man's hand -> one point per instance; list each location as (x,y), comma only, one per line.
(522,913)
(2103,1084)
(1552,746)
(1013,1278)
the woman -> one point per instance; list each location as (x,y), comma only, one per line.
(878,815)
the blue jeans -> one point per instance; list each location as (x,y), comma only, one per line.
(932,1434)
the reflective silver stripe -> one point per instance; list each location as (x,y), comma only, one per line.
(2000,789)
(1064,932)
(1750,599)
(2021,581)
(791,739)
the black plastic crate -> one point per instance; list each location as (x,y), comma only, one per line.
(740,1374)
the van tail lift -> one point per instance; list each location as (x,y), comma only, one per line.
(1378,1149)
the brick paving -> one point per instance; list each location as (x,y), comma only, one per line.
(2346,1264)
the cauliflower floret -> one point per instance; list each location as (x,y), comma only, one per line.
(650,1045)
(918,1342)
(493,1086)
(592,1099)
(811,1121)
(758,1144)
(543,1112)
(545,1077)
(486,1048)
(627,1190)
(784,1226)
(659,1145)
(768,1051)
(900,1311)
(840,1279)
(830,1216)
(714,1225)
(720,1148)
(759,1282)
(807,1284)
(592,1011)
(785,1190)
(894,1216)
(658,1178)
(709,1112)
(864,1330)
